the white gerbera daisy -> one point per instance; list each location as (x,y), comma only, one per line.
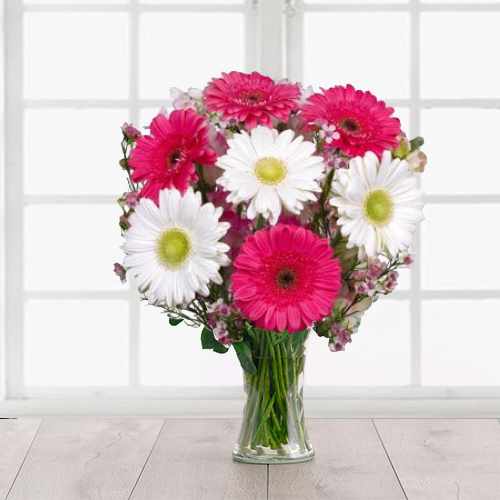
(174,250)
(269,170)
(379,203)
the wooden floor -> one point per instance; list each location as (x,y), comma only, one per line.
(190,459)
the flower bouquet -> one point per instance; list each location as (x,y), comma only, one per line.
(262,212)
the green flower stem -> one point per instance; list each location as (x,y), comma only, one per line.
(274,398)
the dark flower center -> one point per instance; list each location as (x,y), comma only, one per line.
(251,97)
(350,125)
(174,157)
(172,160)
(286,278)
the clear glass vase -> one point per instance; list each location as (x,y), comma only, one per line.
(273,428)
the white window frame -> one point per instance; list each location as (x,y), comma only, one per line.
(276,26)
(11,344)
(295,10)
(2,204)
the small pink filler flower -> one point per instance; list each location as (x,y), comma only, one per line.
(167,157)
(285,278)
(130,132)
(251,98)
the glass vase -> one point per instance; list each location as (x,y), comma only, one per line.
(273,428)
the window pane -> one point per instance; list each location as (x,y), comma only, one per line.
(456,65)
(173,356)
(72,247)
(68,342)
(460,343)
(342,48)
(404,278)
(404,116)
(325,2)
(378,354)
(71,151)
(76,55)
(452,237)
(166,62)
(69,2)
(461,166)
(223,2)
(478,2)
(146,116)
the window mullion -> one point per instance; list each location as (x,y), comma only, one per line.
(294,12)
(14,222)
(251,8)
(270,38)
(2,209)
(415,287)
(134,309)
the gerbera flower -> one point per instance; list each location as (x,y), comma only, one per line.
(251,98)
(285,278)
(269,169)
(379,203)
(173,249)
(167,157)
(362,122)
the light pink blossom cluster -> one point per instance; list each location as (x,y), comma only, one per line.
(378,276)
(340,337)
(220,316)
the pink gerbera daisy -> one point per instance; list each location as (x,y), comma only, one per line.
(285,278)
(363,123)
(167,157)
(251,98)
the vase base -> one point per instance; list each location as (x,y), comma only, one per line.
(274,457)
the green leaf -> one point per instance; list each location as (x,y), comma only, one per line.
(208,341)
(175,321)
(219,348)
(244,354)
(416,143)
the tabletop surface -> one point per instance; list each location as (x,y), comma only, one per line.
(152,458)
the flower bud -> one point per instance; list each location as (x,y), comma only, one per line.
(124,223)
(120,271)
(358,275)
(130,132)
(417,161)
(406,259)
(375,269)
(393,276)
(221,334)
(361,288)
(132,199)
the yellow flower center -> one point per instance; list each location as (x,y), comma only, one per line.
(378,207)
(270,170)
(173,247)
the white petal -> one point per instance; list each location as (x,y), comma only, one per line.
(160,283)
(350,188)
(263,141)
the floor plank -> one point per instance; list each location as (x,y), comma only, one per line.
(192,461)
(16,436)
(445,459)
(350,464)
(86,458)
